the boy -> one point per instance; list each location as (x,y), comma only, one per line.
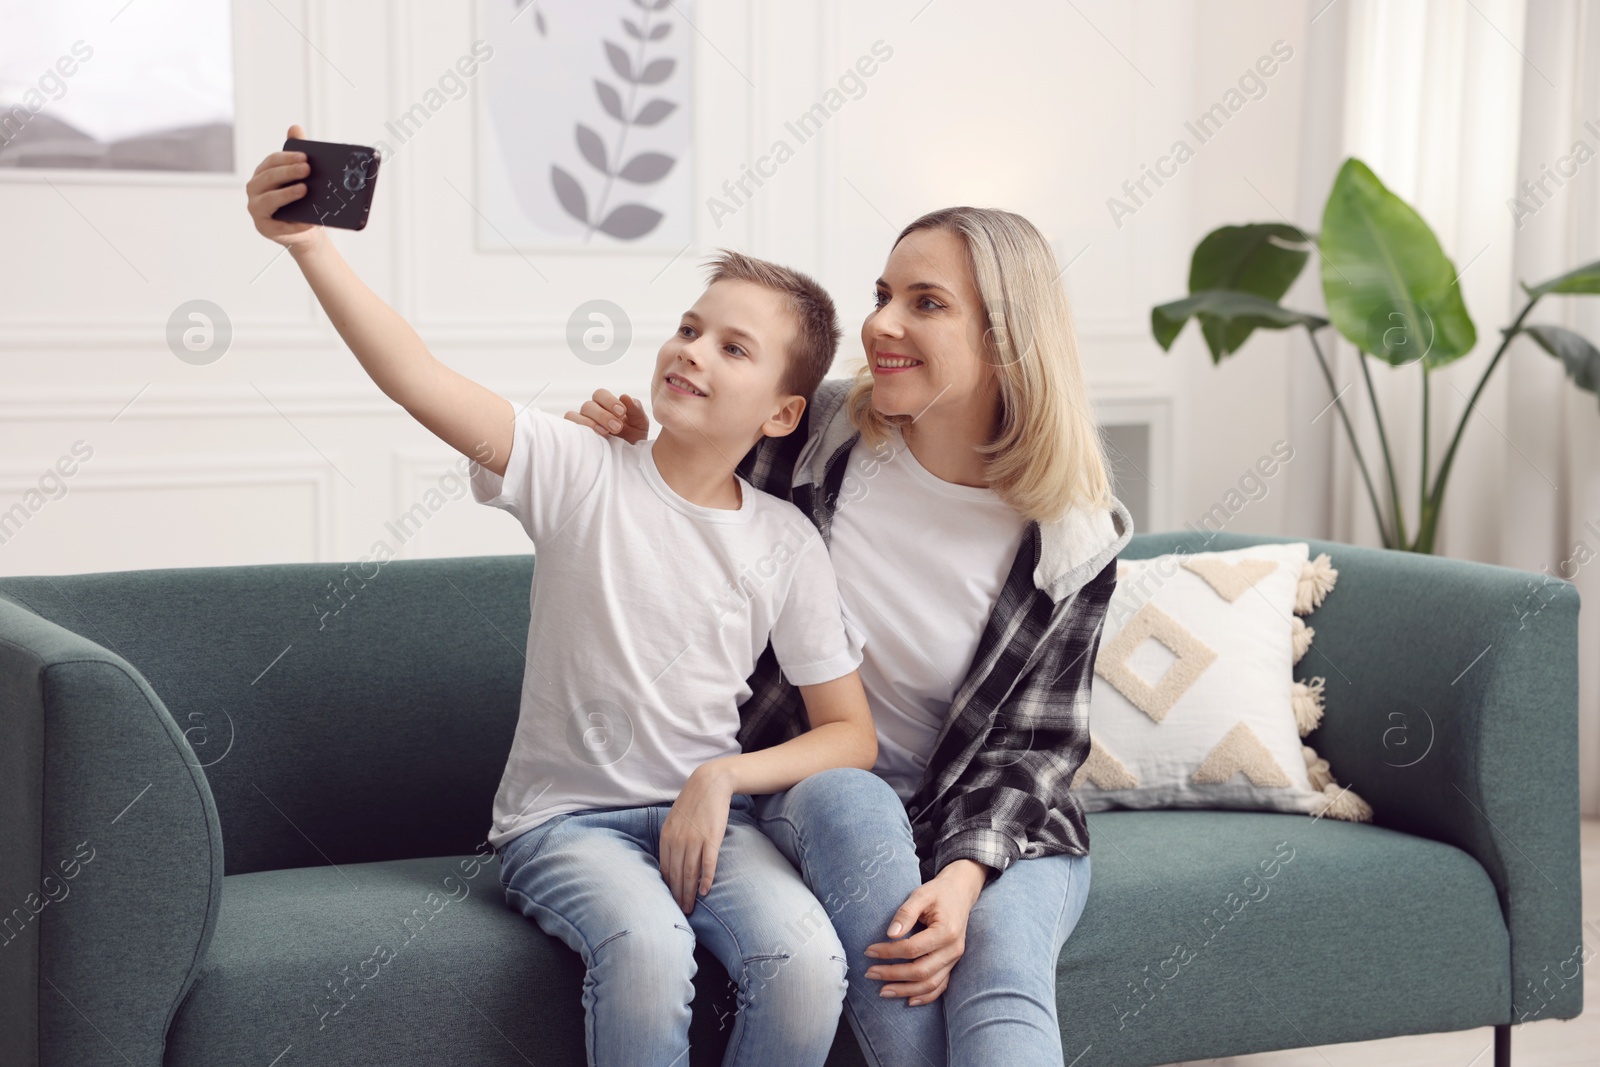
(623,818)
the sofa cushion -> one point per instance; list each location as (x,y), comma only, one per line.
(399,962)
(1221,933)
(1206,933)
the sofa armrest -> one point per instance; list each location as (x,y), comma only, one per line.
(113,872)
(1452,708)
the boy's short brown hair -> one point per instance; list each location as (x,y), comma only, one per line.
(817,324)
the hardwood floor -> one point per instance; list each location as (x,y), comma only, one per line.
(1546,1043)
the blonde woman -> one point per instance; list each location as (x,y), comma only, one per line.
(960,483)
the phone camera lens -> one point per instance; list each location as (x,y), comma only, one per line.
(355,173)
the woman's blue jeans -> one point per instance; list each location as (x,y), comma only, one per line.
(847,833)
(593,879)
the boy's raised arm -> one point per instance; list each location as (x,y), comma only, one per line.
(475,421)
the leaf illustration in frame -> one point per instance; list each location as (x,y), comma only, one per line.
(593,149)
(646,167)
(654,112)
(633,29)
(630,221)
(619,61)
(538,17)
(610,99)
(660,30)
(571,195)
(657,71)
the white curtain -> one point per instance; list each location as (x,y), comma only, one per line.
(1453,105)
(1555,529)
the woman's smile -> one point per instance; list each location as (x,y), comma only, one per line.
(891,363)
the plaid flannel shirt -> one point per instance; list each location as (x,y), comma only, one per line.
(997,785)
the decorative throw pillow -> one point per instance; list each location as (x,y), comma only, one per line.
(1194,703)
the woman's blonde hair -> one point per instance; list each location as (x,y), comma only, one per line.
(1048,454)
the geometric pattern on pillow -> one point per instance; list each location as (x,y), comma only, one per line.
(1241,750)
(1193,657)
(1231,580)
(1104,770)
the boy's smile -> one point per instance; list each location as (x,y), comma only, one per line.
(679,383)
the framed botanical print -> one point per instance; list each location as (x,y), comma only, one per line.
(585,125)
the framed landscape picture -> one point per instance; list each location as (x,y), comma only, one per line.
(108,85)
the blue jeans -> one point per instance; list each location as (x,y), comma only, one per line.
(593,879)
(847,833)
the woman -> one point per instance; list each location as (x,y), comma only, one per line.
(960,483)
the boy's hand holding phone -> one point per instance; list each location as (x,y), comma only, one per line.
(280,179)
(311,184)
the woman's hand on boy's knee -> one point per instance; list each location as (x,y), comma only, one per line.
(280,179)
(943,906)
(691,835)
(611,416)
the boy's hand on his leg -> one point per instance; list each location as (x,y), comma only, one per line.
(612,416)
(692,834)
(279,179)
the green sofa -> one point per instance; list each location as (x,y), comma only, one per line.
(242,814)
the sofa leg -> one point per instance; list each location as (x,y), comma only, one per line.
(1502,1046)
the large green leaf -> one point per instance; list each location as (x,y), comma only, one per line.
(1228,308)
(1263,258)
(1580,358)
(1585,279)
(1389,287)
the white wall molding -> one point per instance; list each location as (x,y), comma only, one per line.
(207,475)
(99,405)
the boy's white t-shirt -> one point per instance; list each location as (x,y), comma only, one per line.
(924,600)
(648,615)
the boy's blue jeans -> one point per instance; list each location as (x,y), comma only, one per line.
(593,879)
(846,830)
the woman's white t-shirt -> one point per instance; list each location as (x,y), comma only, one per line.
(920,562)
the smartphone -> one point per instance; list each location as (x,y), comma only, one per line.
(339,187)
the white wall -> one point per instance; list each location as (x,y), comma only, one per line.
(284,450)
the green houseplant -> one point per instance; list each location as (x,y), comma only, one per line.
(1390,291)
